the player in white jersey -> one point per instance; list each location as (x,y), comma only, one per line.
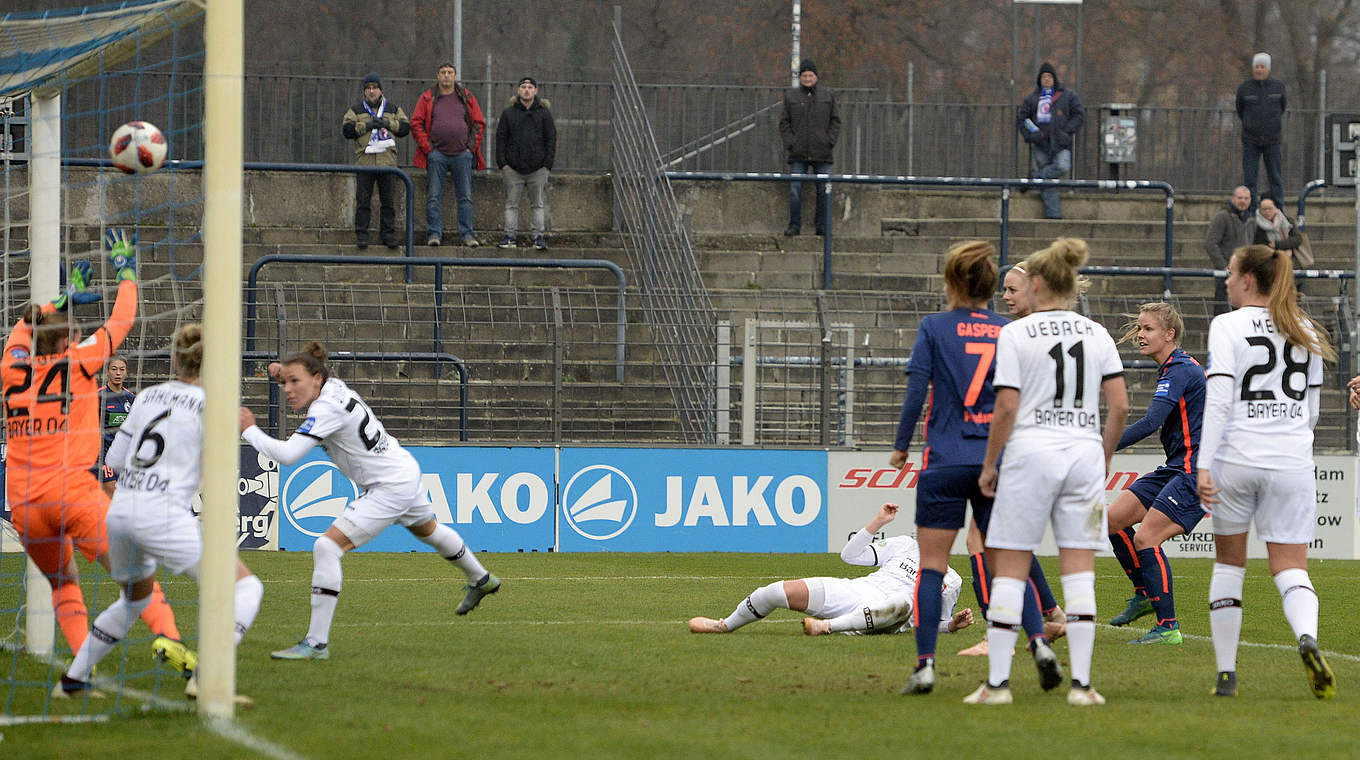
(386,474)
(881,602)
(157,454)
(1051,368)
(1256,453)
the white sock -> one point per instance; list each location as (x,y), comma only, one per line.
(451,547)
(109,628)
(760,603)
(326,580)
(1079,601)
(1225,613)
(859,620)
(1300,601)
(1008,597)
(249,591)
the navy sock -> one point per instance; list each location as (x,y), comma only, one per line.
(980,586)
(929,600)
(1122,543)
(1157,577)
(1036,576)
(1031,619)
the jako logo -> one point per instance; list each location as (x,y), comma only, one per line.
(603,505)
(315,494)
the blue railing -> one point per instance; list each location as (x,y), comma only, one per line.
(1307,190)
(959,182)
(439,264)
(280,167)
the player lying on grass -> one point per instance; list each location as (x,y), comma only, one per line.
(1162,503)
(881,602)
(386,473)
(158,454)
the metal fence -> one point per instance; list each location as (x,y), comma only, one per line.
(294,118)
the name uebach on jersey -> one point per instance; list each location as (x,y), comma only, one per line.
(1058,328)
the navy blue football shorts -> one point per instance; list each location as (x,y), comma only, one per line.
(943,495)
(1172,492)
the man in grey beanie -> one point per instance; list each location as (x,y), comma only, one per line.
(1260,106)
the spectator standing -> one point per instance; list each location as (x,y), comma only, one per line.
(1274,229)
(1048,118)
(1231,228)
(526,144)
(448,132)
(809,125)
(374,125)
(1260,106)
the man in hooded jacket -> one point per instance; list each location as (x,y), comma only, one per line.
(1048,118)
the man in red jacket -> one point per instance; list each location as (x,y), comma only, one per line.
(448,134)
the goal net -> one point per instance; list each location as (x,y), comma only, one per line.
(68,79)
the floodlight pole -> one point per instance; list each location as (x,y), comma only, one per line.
(221,374)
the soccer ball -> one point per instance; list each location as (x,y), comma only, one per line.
(137,147)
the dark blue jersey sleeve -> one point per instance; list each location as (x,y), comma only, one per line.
(1158,410)
(918,387)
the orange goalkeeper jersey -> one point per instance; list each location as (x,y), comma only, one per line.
(52,401)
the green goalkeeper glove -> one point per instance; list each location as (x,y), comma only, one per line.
(122,248)
(76,292)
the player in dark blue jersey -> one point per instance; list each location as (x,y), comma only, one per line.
(115,401)
(1162,503)
(952,364)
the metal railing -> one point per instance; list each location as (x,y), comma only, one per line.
(676,303)
(178,165)
(438,264)
(296,118)
(828,180)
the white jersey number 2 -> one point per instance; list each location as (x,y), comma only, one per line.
(368,440)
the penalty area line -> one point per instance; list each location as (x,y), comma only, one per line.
(233,731)
(1252,644)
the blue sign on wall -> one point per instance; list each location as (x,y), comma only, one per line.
(499,499)
(692,500)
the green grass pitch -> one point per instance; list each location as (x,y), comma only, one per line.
(587,655)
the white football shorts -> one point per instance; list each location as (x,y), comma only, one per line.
(1283,503)
(833,597)
(381,506)
(139,540)
(1061,486)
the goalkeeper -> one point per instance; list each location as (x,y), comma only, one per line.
(51,396)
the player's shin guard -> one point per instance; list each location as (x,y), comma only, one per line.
(451,547)
(158,615)
(1225,613)
(929,600)
(980,584)
(1079,599)
(1300,601)
(326,581)
(249,592)
(1031,619)
(1008,599)
(69,606)
(1122,544)
(1040,581)
(109,628)
(760,603)
(1158,582)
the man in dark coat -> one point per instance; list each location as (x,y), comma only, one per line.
(1260,106)
(809,126)
(526,144)
(1048,118)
